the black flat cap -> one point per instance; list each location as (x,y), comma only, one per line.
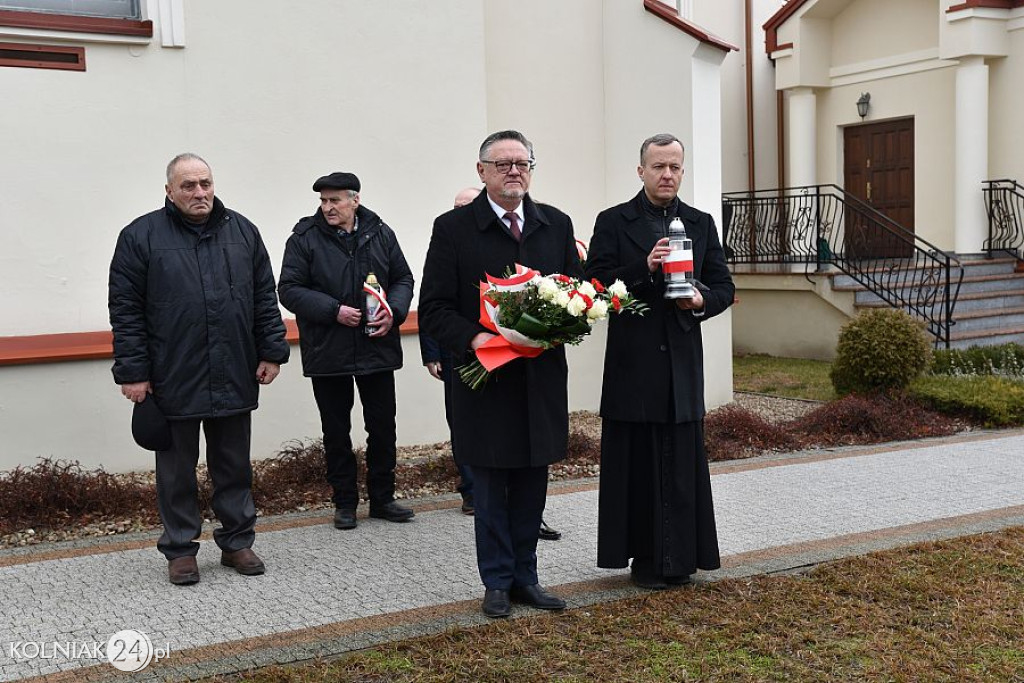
(149,426)
(339,180)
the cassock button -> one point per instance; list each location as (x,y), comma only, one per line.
(663,347)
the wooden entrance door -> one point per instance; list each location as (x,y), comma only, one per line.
(878,164)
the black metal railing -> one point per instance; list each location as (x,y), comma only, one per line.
(824,225)
(1004,202)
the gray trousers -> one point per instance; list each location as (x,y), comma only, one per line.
(177,490)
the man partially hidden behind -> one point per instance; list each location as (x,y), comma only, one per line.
(655,502)
(511,430)
(438,363)
(327,260)
(196,325)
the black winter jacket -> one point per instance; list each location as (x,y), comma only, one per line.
(320,273)
(194,312)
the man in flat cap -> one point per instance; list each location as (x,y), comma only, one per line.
(197,331)
(331,262)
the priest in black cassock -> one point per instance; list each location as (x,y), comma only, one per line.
(655,504)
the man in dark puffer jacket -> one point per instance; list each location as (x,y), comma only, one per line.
(327,260)
(196,325)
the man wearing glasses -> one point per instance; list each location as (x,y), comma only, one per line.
(518,424)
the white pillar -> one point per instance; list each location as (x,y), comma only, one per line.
(802,132)
(704,153)
(971,167)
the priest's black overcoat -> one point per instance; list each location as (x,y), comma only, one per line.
(654,364)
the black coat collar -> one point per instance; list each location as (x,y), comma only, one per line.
(637,230)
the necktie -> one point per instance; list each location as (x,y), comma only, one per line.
(513,226)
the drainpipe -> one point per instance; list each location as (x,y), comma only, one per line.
(749,48)
(780,134)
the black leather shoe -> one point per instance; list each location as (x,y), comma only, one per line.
(496,603)
(344,519)
(547,533)
(646,580)
(393,512)
(467,504)
(536,596)
(679,580)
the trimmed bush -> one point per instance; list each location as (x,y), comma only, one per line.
(879,350)
(1005,359)
(987,399)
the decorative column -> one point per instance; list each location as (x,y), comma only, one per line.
(802,132)
(971,161)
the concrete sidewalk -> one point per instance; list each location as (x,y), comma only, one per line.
(327,592)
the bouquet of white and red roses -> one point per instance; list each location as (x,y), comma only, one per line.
(530,312)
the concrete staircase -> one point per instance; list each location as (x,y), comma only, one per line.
(989,310)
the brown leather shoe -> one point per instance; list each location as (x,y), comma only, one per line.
(183,571)
(243,561)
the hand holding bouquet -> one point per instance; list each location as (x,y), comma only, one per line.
(531,312)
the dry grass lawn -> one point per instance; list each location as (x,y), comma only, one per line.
(950,611)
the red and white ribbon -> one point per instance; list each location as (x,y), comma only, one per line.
(678,261)
(379,296)
(509,344)
(581,249)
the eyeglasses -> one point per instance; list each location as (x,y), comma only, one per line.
(505,165)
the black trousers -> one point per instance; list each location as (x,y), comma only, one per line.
(334,398)
(448,375)
(509,506)
(177,490)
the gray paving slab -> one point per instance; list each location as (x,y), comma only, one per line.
(319,576)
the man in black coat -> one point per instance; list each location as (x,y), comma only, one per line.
(439,364)
(197,328)
(655,503)
(327,261)
(518,424)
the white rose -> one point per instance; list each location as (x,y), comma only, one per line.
(562,298)
(547,289)
(587,289)
(598,311)
(618,288)
(576,306)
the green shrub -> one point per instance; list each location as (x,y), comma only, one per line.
(1006,360)
(987,399)
(879,350)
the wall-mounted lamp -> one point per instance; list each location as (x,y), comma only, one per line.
(864,104)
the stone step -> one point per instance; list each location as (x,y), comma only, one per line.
(991,337)
(976,301)
(988,319)
(974,271)
(983,284)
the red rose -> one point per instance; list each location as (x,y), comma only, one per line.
(597,285)
(616,304)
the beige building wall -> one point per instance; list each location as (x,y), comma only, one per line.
(401,96)
(926,97)
(786,323)
(1006,76)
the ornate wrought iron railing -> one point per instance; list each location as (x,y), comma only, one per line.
(822,225)
(1004,201)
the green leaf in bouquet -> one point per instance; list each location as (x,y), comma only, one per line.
(531,327)
(573,328)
